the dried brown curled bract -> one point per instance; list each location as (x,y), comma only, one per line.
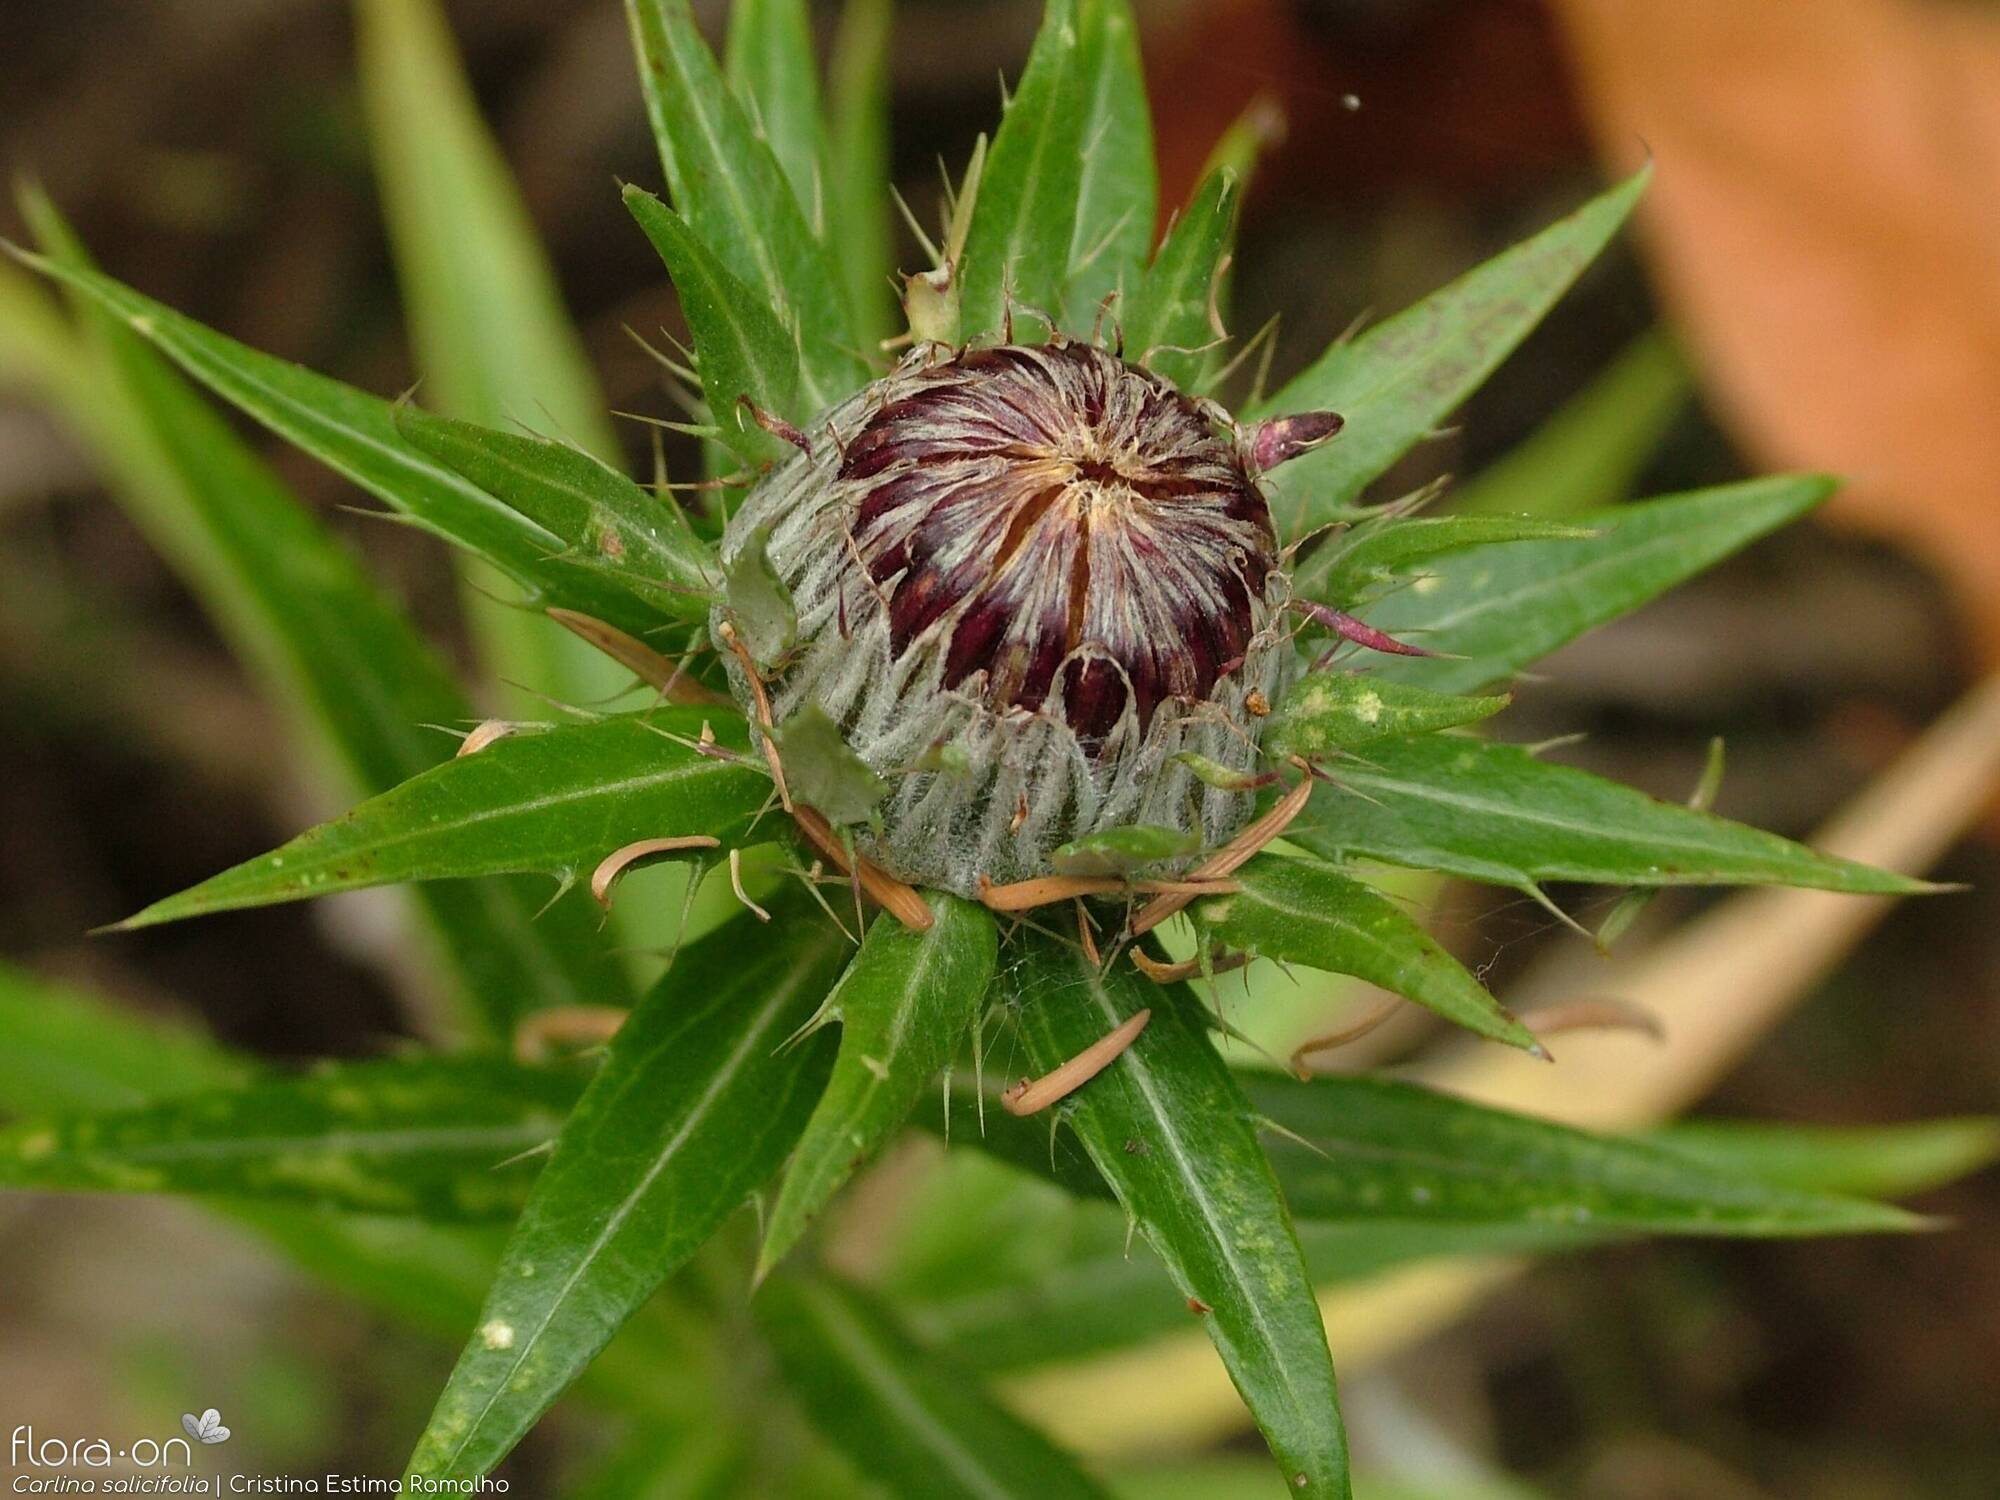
(1026,577)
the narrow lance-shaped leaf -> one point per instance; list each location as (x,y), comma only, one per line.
(1302,911)
(611,527)
(697,1102)
(1165,320)
(1377,1148)
(1344,572)
(554,802)
(903,1005)
(362,688)
(1496,813)
(912,1420)
(858,174)
(1402,378)
(1017,252)
(769,62)
(1497,609)
(729,187)
(1369,1150)
(440,1138)
(1118,190)
(1169,1129)
(741,350)
(355,434)
(1331,711)
(1873,1161)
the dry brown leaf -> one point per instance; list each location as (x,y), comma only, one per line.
(1826,226)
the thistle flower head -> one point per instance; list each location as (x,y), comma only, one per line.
(1028,579)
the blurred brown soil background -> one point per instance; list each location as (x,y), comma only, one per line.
(1823,239)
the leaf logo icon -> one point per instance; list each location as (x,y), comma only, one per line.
(207,1428)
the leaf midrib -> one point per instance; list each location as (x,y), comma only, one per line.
(781,994)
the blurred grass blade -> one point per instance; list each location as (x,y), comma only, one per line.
(1590,453)
(1868,1161)
(697,1102)
(1167,1126)
(1403,377)
(858,168)
(439,1138)
(1368,1148)
(355,434)
(492,337)
(1118,192)
(915,1422)
(1497,609)
(729,187)
(357,682)
(1374,554)
(493,342)
(1330,711)
(1165,319)
(1302,911)
(741,350)
(903,1005)
(1017,253)
(769,62)
(552,802)
(1496,813)
(610,527)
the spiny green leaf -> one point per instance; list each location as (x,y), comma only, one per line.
(1302,911)
(1400,379)
(442,1139)
(760,605)
(1331,711)
(903,1004)
(1496,813)
(1122,851)
(611,526)
(729,187)
(770,64)
(916,1422)
(696,1104)
(858,176)
(1167,1126)
(1117,193)
(355,434)
(823,772)
(741,350)
(1347,570)
(1017,253)
(1166,318)
(1499,608)
(358,682)
(554,802)
(1590,453)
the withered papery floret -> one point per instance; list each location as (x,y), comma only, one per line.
(1027,578)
